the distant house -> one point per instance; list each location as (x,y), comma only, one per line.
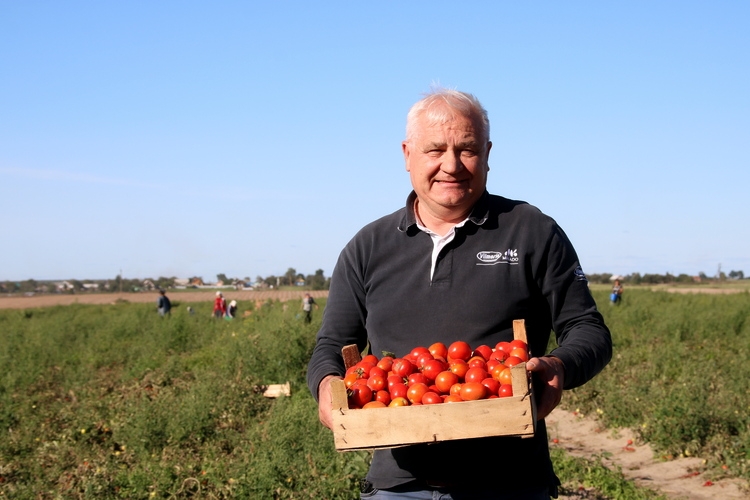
(181,282)
(196,282)
(64,286)
(299,282)
(90,287)
(148,285)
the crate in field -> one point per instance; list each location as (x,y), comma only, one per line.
(357,429)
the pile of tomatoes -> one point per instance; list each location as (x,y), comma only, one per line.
(435,374)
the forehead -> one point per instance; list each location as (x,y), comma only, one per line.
(456,125)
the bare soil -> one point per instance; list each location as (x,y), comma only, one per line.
(679,479)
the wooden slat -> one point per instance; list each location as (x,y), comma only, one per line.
(351,355)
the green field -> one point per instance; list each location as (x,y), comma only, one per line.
(115,402)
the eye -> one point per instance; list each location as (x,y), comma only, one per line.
(468,152)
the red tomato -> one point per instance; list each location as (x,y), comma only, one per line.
(432,368)
(471,391)
(385,363)
(394,379)
(512,361)
(498,355)
(431,398)
(519,353)
(423,358)
(492,386)
(491,363)
(416,378)
(477,362)
(383,397)
(415,392)
(455,389)
(376,382)
(438,350)
(359,395)
(484,351)
(403,367)
(362,369)
(371,358)
(503,346)
(459,367)
(476,375)
(505,391)
(445,380)
(452,398)
(459,350)
(350,378)
(415,353)
(374,404)
(503,376)
(398,390)
(399,402)
(520,344)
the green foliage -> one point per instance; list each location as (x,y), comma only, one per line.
(680,375)
(116,402)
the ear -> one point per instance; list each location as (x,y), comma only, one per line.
(407,152)
(487,155)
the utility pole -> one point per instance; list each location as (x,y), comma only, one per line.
(120,280)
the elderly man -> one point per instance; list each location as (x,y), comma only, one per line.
(457,263)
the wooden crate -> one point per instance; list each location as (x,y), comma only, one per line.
(357,429)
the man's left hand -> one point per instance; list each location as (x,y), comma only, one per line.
(551,374)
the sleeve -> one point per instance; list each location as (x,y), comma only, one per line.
(584,341)
(343,321)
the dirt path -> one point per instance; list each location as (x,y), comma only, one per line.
(678,479)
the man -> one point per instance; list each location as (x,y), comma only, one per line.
(220,306)
(307,304)
(163,305)
(460,264)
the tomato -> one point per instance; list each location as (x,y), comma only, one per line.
(416,378)
(374,404)
(503,346)
(505,391)
(503,376)
(477,362)
(476,375)
(398,390)
(452,398)
(459,367)
(431,398)
(471,391)
(438,350)
(484,351)
(415,392)
(491,363)
(383,397)
(359,395)
(459,350)
(512,361)
(394,379)
(361,368)
(445,380)
(376,382)
(432,368)
(423,358)
(520,344)
(492,386)
(399,402)
(455,389)
(498,355)
(519,353)
(385,363)
(371,358)
(403,367)
(413,356)
(350,378)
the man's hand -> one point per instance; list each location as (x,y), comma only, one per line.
(325,401)
(551,374)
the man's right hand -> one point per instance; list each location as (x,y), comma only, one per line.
(325,401)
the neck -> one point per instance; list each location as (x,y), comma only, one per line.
(438,223)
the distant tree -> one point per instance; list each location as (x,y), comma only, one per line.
(259,280)
(703,276)
(317,281)
(684,278)
(290,276)
(736,275)
(223,278)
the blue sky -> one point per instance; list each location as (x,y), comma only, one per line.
(194,138)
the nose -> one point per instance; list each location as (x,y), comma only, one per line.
(452,162)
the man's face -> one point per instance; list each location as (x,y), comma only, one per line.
(448,166)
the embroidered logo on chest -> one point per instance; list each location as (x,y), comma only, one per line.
(493,257)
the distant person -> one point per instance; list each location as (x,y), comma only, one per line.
(307,305)
(163,305)
(616,295)
(220,305)
(231,310)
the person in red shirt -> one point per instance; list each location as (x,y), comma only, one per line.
(220,305)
